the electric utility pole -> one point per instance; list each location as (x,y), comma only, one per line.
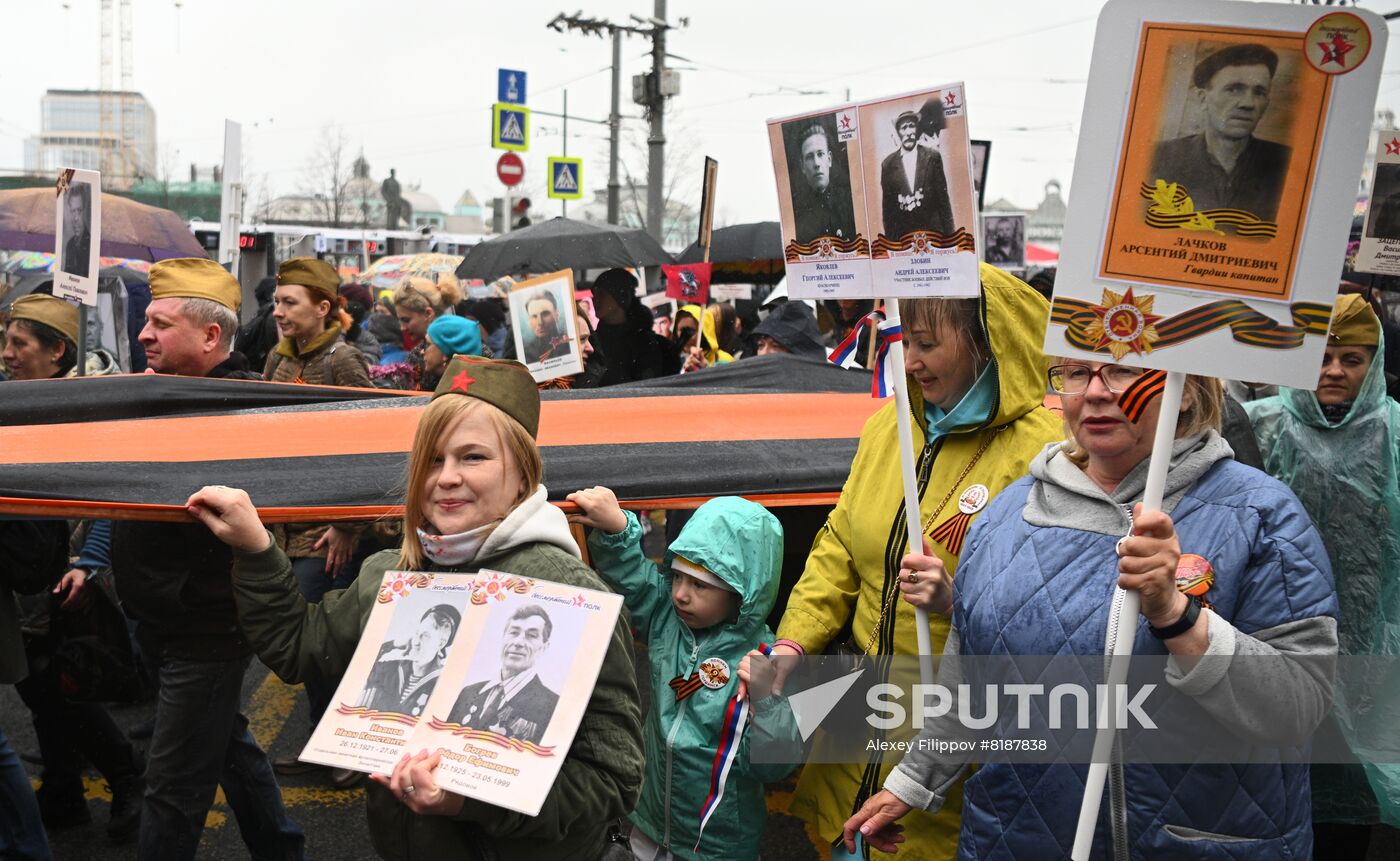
(650,90)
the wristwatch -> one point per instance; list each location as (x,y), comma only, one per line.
(1182,625)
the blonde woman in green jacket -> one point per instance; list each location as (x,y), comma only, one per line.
(474,500)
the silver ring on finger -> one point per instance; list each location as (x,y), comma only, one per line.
(408,790)
(913,577)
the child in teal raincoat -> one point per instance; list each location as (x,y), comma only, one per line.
(700,614)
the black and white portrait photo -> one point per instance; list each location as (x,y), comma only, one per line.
(77,229)
(513,700)
(1222,123)
(819,176)
(1383,220)
(406,670)
(913,184)
(1005,240)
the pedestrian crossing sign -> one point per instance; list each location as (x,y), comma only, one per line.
(565,178)
(510,127)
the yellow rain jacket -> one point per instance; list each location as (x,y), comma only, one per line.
(853,567)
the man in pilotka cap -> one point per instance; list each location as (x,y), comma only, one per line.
(166,574)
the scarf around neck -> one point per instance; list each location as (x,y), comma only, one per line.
(455,549)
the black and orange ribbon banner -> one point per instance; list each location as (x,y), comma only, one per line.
(1245,223)
(823,245)
(923,241)
(1247,325)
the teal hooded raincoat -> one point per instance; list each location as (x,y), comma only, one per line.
(1348,478)
(742,544)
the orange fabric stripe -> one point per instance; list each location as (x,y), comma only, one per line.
(610,421)
(88,510)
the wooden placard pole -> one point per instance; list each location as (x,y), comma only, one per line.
(1126,623)
(911,483)
(707,224)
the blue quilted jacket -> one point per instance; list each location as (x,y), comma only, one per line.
(1041,589)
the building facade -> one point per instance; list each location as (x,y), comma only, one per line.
(109,131)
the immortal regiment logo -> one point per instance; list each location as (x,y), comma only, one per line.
(1337,43)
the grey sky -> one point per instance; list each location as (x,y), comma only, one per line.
(412,81)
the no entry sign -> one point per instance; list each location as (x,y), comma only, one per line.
(510,169)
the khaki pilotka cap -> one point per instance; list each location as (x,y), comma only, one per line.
(505,385)
(1354,323)
(315,275)
(56,313)
(195,278)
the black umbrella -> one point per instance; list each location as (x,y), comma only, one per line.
(561,243)
(742,254)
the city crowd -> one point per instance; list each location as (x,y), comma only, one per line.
(1290,498)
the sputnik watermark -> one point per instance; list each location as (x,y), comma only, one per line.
(1121,708)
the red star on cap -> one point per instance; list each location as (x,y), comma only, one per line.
(462,381)
(1393,148)
(951,99)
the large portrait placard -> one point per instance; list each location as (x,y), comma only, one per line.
(544,324)
(821,204)
(78,232)
(877,198)
(1213,192)
(1379,251)
(921,203)
(492,670)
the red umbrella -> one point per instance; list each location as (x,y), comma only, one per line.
(129,229)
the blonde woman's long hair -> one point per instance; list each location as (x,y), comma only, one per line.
(1207,398)
(437,422)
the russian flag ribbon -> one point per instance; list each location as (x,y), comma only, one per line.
(736,716)
(882,386)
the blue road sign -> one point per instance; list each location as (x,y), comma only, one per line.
(565,178)
(510,127)
(510,86)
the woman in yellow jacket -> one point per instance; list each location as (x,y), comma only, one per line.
(976,388)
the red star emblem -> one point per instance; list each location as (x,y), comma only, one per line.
(1393,148)
(845,121)
(578,600)
(462,381)
(951,99)
(1335,50)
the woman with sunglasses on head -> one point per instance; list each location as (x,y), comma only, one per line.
(1042,574)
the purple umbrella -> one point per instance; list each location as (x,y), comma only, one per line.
(129,229)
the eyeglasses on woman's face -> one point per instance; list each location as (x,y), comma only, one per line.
(1074,379)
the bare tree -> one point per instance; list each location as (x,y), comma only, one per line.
(684,175)
(325,180)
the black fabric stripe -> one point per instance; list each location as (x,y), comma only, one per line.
(646,471)
(159,395)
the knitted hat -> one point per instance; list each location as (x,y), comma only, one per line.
(505,385)
(195,278)
(617,283)
(58,314)
(318,276)
(1354,323)
(455,336)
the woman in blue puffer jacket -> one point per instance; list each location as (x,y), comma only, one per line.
(1044,570)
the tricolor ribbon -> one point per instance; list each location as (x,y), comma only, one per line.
(882,386)
(736,716)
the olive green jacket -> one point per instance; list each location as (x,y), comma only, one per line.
(602,775)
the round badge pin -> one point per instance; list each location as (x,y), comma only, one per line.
(714,673)
(1337,42)
(974,499)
